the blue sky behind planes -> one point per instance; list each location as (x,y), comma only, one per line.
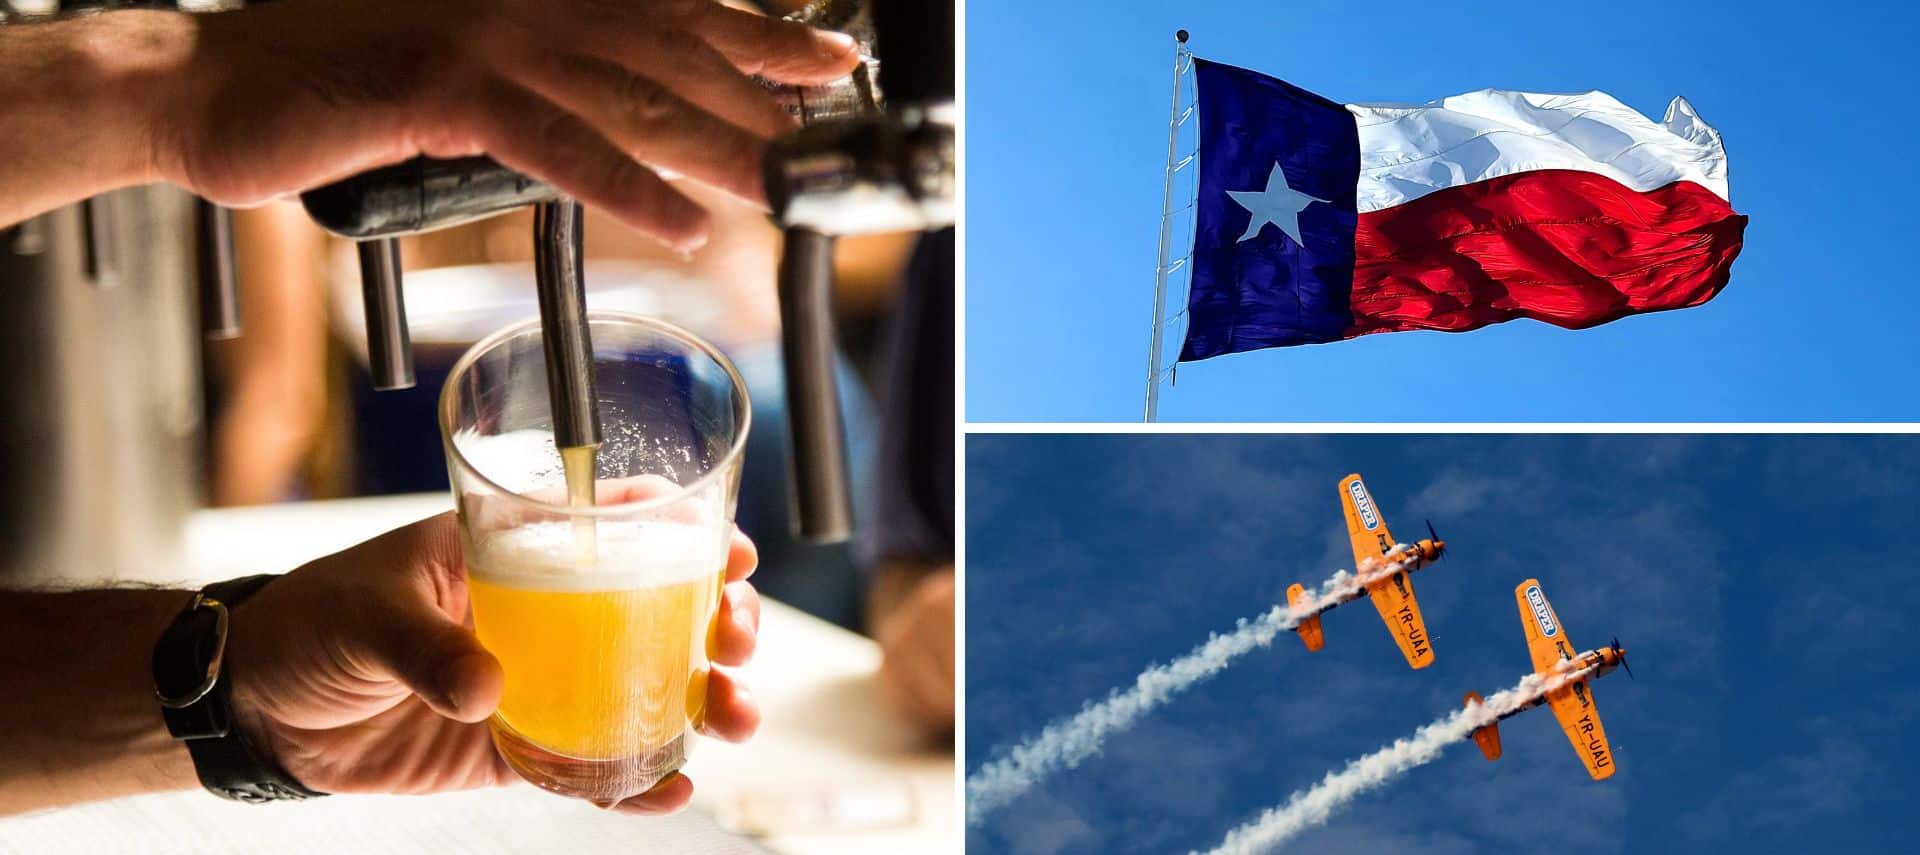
(1066,142)
(1763,585)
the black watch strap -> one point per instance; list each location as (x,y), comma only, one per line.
(189,665)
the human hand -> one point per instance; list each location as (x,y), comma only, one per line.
(916,646)
(359,672)
(591,95)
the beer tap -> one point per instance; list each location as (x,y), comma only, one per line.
(219,290)
(874,169)
(99,243)
(424,194)
(860,164)
(377,207)
(557,261)
(389,343)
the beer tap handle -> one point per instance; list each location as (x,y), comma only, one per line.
(219,290)
(819,493)
(389,347)
(420,195)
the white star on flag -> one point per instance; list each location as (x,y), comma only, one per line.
(1278,204)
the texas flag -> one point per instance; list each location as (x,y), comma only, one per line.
(1319,221)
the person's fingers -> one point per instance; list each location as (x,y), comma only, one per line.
(732,713)
(897,686)
(940,591)
(633,488)
(925,701)
(737,629)
(690,508)
(916,669)
(407,749)
(742,559)
(404,637)
(670,795)
(786,51)
(652,123)
(707,78)
(606,491)
(434,541)
(662,46)
(531,134)
(937,681)
(925,680)
(935,662)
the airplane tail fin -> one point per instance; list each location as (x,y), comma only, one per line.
(1488,738)
(1308,629)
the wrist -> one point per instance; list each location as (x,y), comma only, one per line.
(136,70)
(197,688)
(155,761)
(148,758)
(80,105)
(158,762)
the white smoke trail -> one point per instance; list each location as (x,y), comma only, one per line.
(1312,806)
(1065,743)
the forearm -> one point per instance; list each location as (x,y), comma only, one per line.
(78,718)
(76,101)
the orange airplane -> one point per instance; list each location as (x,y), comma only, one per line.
(1386,582)
(1571,700)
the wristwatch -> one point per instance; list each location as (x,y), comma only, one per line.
(189,664)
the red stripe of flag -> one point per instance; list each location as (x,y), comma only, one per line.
(1569,248)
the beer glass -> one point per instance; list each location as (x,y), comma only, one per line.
(601,615)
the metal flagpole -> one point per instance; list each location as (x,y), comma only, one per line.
(1166,229)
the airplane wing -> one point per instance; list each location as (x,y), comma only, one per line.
(1546,638)
(1573,706)
(1365,526)
(1393,597)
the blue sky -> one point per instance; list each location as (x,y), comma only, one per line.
(1067,107)
(1762,584)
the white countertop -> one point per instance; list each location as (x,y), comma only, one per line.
(826,744)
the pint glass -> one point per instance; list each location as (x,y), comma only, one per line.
(601,615)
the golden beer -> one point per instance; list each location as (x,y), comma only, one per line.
(605,655)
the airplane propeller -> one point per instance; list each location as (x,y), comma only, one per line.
(1622,655)
(1431,535)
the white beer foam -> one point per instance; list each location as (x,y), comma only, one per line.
(521,461)
(525,461)
(632,554)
